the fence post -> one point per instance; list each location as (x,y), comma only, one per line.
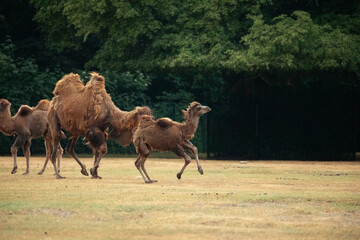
(208,135)
(355,109)
(174,111)
(257,143)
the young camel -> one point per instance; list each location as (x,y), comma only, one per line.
(27,124)
(165,134)
(87,110)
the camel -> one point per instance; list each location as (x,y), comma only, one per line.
(165,134)
(27,124)
(87,110)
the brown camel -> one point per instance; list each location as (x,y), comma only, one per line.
(27,124)
(87,110)
(165,134)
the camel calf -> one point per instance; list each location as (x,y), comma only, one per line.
(165,134)
(27,124)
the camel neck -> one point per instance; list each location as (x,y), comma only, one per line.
(116,116)
(190,127)
(7,125)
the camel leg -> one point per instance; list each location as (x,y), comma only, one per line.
(48,155)
(144,151)
(27,153)
(138,166)
(14,148)
(55,133)
(54,145)
(188,145)
(178,150)
(139,163)
(70,150)
(59,155)
(142,164)
(99,152)
(93,171)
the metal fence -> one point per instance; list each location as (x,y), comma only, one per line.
(281,123)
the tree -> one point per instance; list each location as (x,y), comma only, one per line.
(295,44)
(148,35)
(192,37)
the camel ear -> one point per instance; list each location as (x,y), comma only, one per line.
(186,114)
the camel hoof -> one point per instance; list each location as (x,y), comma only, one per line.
(14,170)
(201,171)
(178,176)
(151,181)
(59,177)
(92,172)
(40,173)
(96,177)
(84,172)
(25,173)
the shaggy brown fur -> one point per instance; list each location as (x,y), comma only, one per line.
(28,123)
(165,134)
(128,124)
(87,110)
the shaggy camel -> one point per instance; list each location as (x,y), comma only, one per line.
(28,123)
(87,110)
(165,134)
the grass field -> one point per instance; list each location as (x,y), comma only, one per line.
(232,200)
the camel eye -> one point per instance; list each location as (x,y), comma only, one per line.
(198,108)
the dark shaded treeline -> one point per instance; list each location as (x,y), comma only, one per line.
(281,77)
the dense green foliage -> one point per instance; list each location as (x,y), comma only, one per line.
(228,54)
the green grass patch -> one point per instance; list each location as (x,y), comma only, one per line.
(232,200)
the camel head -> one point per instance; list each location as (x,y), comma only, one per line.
(195,109)
(97,139)
(6,122)
(144,111)
(4,106)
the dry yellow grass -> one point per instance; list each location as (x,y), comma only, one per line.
(256,200)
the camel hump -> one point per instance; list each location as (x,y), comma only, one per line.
(43,105)
(25,110)
(164,122)
(68,84)
(96,77)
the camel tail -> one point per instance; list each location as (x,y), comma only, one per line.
(25,110)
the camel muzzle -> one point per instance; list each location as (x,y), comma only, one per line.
(206,109)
